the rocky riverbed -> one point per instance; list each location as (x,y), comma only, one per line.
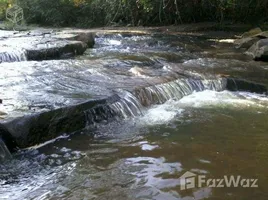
(127,117)
(42,93)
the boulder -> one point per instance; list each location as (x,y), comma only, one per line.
(262,35)
(86,37)
(251,37)
(251,33)
(259,50)
(246,42)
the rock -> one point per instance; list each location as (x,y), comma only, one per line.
(251,33)
(71,48)
(246,42)
(2,113)
(86,37)
(234,84)
(44,44)
(262,35)
(251,37)
(259,50)
(34,129)
(7,138)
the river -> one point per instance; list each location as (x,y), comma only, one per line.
(210,133)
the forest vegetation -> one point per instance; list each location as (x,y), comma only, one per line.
(96,13)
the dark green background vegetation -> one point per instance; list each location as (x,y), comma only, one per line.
(90,13)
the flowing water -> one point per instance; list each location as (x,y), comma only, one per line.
(12,55)
(160,131)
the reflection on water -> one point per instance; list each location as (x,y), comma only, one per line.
(223,133)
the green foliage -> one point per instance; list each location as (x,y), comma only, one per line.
(3,7)
(88,13)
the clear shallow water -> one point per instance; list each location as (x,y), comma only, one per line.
(208,133)
(211,133)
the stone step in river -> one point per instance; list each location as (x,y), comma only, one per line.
(43,44)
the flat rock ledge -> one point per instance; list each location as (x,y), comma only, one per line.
(35,119)
(43,44)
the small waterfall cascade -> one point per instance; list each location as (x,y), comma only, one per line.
(132,104)
(8,54)
(127,106)
(177,89)
(4,152)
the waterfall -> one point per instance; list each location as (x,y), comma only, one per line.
(4,152)
(177,89)
(132,104)
(8,54)
(127,106)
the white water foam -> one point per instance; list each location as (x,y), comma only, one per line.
(210,98)
(172,109)
(161,114)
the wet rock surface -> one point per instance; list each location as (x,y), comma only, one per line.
(124,71)
(43,44)
(256,44)
(140,97)
(259,50)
